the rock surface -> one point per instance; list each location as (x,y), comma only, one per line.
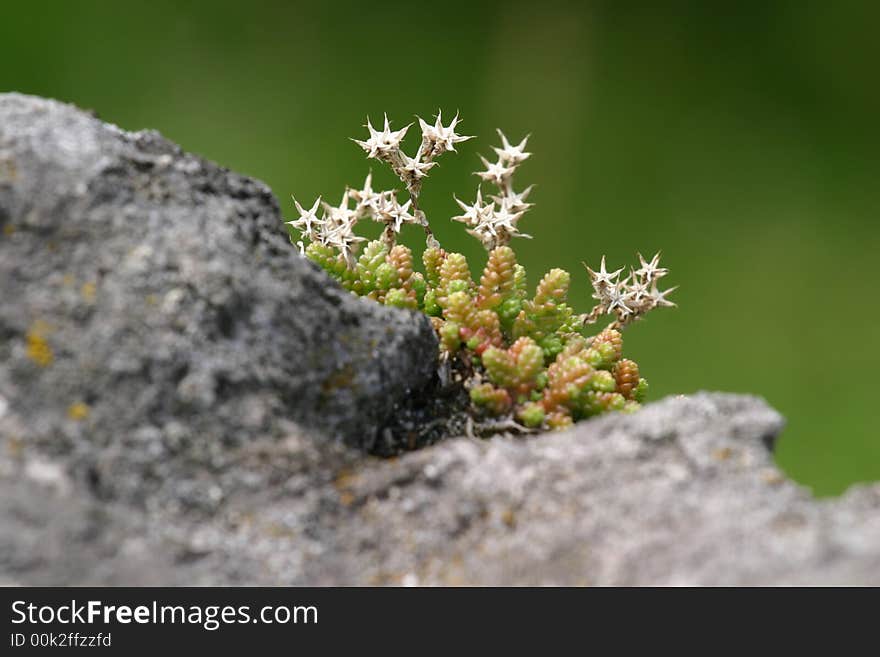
(684,492)
(153,313)
(170,373)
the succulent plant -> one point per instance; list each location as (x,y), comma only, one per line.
(526,357)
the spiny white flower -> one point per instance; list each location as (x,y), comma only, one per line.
(618,297)
(327,231)
(477,213)
(367,200)
(638,287)
(374,145)
(649,271)
(496,172)
(344,240)
(511,155)
(382,144)
(659,298)
(308,221)
(366,192)
(516,202)
(505,232)
(436,139)
(506,219)
(384,204)
(342,215)
(485,232)
(400,215)
(413,169)
(346,250)
(602,279)
(497,228)
(387,202)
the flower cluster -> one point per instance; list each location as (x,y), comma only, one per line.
(522,357)
(629,298)
(335,228)
(494,223)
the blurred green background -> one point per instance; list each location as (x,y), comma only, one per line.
(741,138)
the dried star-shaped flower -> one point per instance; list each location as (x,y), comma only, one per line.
(649,271)
(506,219)
(436,139)
(659,298)
(308,221)
(414,169)
(342,215)
(367,200)
(326,231)
(374,145)
(617,298)
(485,232)
(477,213)
(387,202)
(602,279)
(496,172)
(495,227)
(381,144)
(344,240)
(513,201)
(509,154)
(400,215)
(506,232)
(638,287)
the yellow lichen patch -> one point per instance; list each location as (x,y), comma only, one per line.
(8,229)
(278,530)
(88,292)
(8,170)
(152,299)
(344,481)
(38,349)
(14,446)
(78,411)
(722,453)
(345,478)
(341,378)
(772,477)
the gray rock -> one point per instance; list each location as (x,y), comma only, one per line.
(215,363)
(153,313)
(56,536)
(684,492)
